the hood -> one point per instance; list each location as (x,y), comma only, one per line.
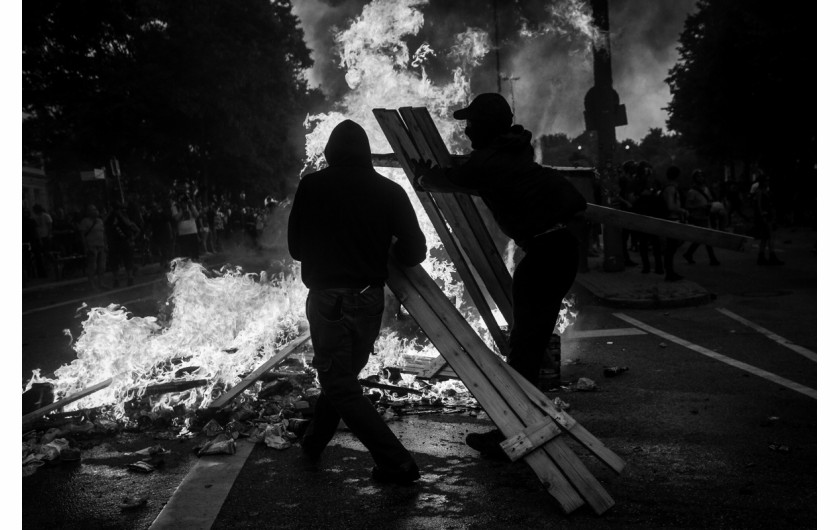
(516,138)
(348,146)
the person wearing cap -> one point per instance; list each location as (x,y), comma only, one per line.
(531,204)
(341,227)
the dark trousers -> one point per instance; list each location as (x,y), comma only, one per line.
(689,253)
(652,242)
(344,324)
(540,281)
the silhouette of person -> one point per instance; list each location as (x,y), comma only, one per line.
(531,204)
(92,229)
(764,216)
(649,203)
(341,227)
(698,202)
(675,212)
(121,233)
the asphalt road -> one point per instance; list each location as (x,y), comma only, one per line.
(716,419)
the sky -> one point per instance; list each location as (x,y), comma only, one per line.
(551,61)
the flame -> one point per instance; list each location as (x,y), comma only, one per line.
(225,324)
(223,327)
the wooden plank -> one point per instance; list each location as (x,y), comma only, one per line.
(223,400)
(569,424)
(484,363)
(475,380)
(530,439)
(463,215)
(665,228)
(36,414)
(406,150)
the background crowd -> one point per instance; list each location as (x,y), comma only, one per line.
(119,237)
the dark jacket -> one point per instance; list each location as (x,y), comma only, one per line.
(526,199)
(344,218)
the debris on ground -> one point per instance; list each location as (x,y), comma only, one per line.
(132,503)
(779,448)
(559,404)
(223,444)
(584,384)
(612,371)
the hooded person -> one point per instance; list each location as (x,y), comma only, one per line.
(531,204)
(341,227)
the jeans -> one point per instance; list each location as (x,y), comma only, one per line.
(540,281)
(344,324)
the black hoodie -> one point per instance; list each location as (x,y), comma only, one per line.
(344,217)
(526,198)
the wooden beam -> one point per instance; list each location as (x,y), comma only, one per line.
(465,219)
(400,281)
(36,414)
(664,227)
(290,347)
(530,439)
(494,387)
(397,135)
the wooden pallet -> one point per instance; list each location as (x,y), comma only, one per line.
(524,415)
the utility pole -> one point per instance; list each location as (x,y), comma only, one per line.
(602,113)
(496,42)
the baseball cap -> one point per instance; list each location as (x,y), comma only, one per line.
(488,107)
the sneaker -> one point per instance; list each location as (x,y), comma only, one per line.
(487,444)
(404,474)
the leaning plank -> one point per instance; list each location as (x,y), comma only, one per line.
(174,386)
(477,382)
(34,415)
(397,135)
(469,226)
(451,211)
(665,228)
(530,439)
(255,375)
(569,424)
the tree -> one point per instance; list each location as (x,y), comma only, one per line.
(743,85)
(207,90)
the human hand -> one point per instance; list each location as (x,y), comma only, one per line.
(420,168)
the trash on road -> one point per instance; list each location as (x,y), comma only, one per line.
(132,503)
(612,371)
(220,445)
(584,384)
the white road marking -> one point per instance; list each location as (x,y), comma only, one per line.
(805,352)
(598,333)
(200,496)
(810,392)
(90,296)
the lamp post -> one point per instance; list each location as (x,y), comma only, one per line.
(602,113)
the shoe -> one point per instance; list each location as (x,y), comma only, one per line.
(689,259)
(487,444)
(774,260)
(673,277)
(762,260)
(403,475)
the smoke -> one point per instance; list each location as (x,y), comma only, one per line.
(545,52)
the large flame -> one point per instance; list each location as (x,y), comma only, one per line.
(224,325)
(221,329)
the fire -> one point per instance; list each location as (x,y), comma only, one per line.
(226,323)
(221,328)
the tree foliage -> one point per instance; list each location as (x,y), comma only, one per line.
(209,90)
(741,88)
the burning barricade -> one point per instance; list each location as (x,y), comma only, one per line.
(162,375)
